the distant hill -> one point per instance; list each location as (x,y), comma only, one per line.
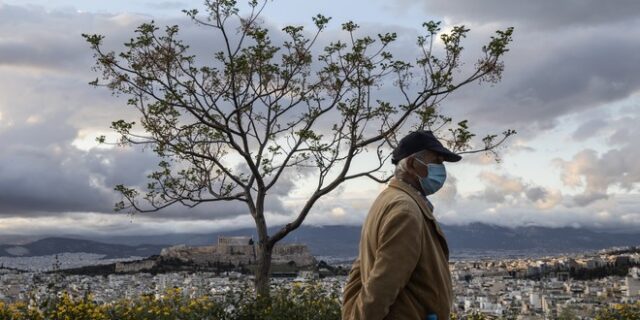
(49,246)
(490,237)
(325,240)
(342,241)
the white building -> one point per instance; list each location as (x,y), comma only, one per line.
(632,282)
(534,300)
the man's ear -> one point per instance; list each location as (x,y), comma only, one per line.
(411,162)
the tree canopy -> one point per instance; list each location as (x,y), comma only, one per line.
(230,128)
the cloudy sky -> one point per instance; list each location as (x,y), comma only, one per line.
(570,88)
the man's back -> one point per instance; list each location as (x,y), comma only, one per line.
(402,271)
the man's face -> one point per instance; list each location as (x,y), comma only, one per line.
(420,165)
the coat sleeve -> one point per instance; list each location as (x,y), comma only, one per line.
(351,290)
(397,254)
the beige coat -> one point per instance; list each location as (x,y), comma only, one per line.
(402,271)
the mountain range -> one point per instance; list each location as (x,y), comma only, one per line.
(56,245)
(342,241)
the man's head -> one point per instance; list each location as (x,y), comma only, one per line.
(417,154)
(418,141)
(416,164)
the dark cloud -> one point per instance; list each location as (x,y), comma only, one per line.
(542,15)
(589,129)
(48,180)
(42,54)
(569,74)
(536,193)
(566,57)
(583,200)
(167,5)
(55,178)
(35,37)
(46,103)
(493,195)
(623,131)
(41,173)
(51,39)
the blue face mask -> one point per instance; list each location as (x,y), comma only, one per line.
(435,178)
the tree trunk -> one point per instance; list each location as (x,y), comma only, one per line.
(263,270)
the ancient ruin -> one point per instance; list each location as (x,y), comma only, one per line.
(239,251)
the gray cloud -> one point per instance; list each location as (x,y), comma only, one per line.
(569,74)
(449,191)
(509,190)
(594,173)
(586,199)
(41,174)
(623,131)
(589,129)
(474,210)
(47,181)
(34,37)
(544,14)
(536,193)
(566,57)
(164,5)
(51,39)
(55,178)
(45,103)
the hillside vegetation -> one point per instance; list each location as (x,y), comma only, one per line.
(303,302)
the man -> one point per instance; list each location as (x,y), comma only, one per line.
(402,270)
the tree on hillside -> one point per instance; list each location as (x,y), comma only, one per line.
(232,128)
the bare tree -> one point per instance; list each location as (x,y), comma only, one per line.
(230,129)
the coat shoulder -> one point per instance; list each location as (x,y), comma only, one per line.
(396,201)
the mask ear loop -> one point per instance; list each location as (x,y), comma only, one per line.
(420,178)
(422,163)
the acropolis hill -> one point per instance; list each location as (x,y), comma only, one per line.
(230,251)
(239,251)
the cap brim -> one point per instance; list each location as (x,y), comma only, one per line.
(452,157)
(448,155)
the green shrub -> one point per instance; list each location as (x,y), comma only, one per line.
(299,302)
(304,302)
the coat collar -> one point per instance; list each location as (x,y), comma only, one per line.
(425,207)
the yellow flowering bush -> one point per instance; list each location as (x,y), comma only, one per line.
(308,302)
(300,302)
(621,311)
(171,305)
(473,316)
(19,311)
(67,308)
